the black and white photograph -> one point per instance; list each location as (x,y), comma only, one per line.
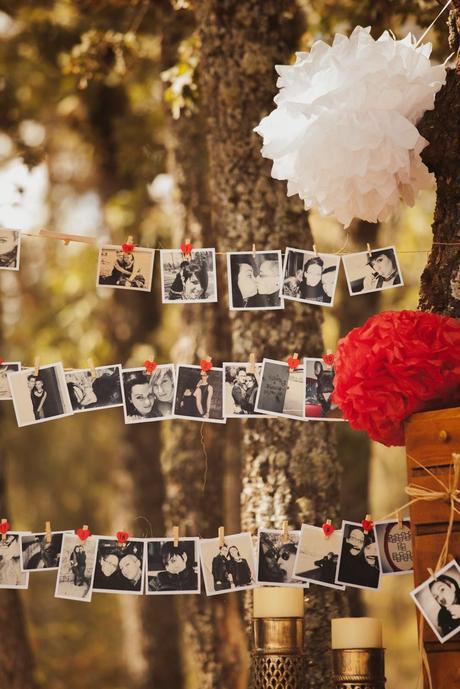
(40,397)
(199,394)
(173,569)
(148,396)
(11,574)
(319,386)
(282,390)
(10,249)
(276,557)
(255,280)
(76,568)
(240,389)
(88,392)
(188,278)
(394,543)
(438,599)
(358,564)
(5,368)
(119,566)
(317,556)
(125,269)
(372,271)
(309,277)
(37,555)
(229,566)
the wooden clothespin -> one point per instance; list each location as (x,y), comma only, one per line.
(314,250)
(92,368)
(252,363)
(48,534)
(175,536)
(221,536)
(285,531)
(369,252)
(36,365)
(4,528)
(253,251)
(399,519)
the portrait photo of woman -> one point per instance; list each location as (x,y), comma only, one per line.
(10,249)
(438,599)
(309,277)
(189,278)
(372,271)
(199,394)
(148,396)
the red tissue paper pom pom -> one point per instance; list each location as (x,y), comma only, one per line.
(398,363)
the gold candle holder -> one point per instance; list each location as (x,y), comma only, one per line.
(278,661)
(358,668)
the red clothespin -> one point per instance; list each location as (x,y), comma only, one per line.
(128,246)
(327,528)
(186,248)
(206,364)
(122,536)
(293,361)
(150,364)
(328,358)
(4,528)
(367,524)
(83,533)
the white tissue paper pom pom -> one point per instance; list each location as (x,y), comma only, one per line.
(343,133)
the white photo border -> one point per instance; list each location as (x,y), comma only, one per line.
(304,527)
(138,249)
(200,418)
(198,562)
(164,300)
(62,391)
(148,376)
(230,281)
(380,289)
(294,585)
(281,414)
(313,254)
(423,585)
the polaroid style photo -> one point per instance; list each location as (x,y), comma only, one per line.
(87,393)
(310,278)
(319,386)
(42,397)
(11,574)
(5,368)
(228,567)
(37,555)
(394,543)
(119,566)
(372,272)
(125,269)
(358,564)
(281,391)
(199,394)
(173,569)
(438,599)
(148,396)
(188,278)
(317,556)
(10,249)
(240,390)
(76,568)
(276,558)
(255,280)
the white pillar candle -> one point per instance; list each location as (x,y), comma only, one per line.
(273,601)
(356,632)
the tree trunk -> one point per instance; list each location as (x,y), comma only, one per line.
(290,470)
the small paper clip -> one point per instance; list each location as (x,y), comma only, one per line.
(36,365)
(253,251)
(175,536)
(186,249)
(206,364)
(367,524)
(221,536)
(128,246)
(122,537)
(327,528)
(48,534)
(150,364)
(293,362)
(369,252)
(92,368)
(83,533)
(4,528)
(252,363)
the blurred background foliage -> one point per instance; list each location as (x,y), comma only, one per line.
(85,102)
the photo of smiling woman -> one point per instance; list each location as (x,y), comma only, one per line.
(10,249)
(358,564)
(188,278)
(148,397)
(119,566)
(255,280)
(309,277)
(438,599)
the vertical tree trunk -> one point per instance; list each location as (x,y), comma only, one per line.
(290,469)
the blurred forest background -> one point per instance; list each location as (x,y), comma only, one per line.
(106,127)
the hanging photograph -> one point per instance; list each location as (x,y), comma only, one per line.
(88,393)
(394,543)
(317,556)
(255,280)
(188,278)
(119,566)
(358,564)
(228,567)
(319,386)
(276,558)
(76,568)
(5,368)
(173,568)
(310,278)
(372,272)
(199,394)
(37,555)
(11,574)
(41,397)
(10,249)
(240,389)
(438,599)
(148,396)
(281,391)
(125,269)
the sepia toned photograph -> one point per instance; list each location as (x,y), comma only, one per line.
(281,391)
(309,277)
(40,397)
(240,389)
(173,569)
(438,599)
(319,387)
(317,556)
(358,564)
(148,396)
(199,394)
(276,556)
(88,393)
(228,566)
(5,368)
(119,566)
(76,568)
(372,272)
(255,280)
(10,249)
(37,554)
(11,574)
(125,269)
(394,542)
(188,278)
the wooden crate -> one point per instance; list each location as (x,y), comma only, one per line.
(431,438)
